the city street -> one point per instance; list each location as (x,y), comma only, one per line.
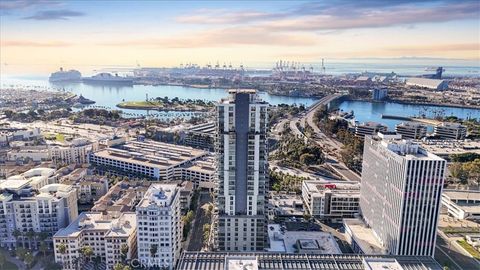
(447,254)
(201,218)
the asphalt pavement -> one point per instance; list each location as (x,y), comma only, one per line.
(201,218)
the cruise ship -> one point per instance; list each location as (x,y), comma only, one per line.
(65,76)
(107,78)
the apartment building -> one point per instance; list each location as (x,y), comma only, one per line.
(331,199)
(159,226)
(400,194)
(104,232)
(242,169)
(24,209)
(74,152)
(201,136)
(90,188)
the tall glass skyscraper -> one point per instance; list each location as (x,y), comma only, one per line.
(242,169)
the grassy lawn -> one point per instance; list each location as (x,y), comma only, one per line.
(460,230)
(469,249)
(141,103)
(60,137)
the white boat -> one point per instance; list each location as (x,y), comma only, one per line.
(65,76)
(107,78)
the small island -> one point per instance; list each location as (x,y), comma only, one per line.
(166,104)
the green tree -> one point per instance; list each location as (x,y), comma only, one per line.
(86,251)
(43,248)
(458,171)
(153,250)
(124,251)
(20,252)
(29,259)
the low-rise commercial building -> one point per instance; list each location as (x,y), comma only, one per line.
(462,204)
(452,131)
(9,135)
(369,128)
(331,199)
(122,197)
(105,233)
(361,238)
(159,226)
(411,130)
(434,84)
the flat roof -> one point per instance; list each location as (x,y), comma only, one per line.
(151,154)
(160,194)
(192,260)
(454,194)
(381,264)
(363,236)
(123,225)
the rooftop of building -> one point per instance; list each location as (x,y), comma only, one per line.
(449,147)
(121,225)
(192,260)
(336,187)
(122,197)
(450,125)
(159,194)
(424,81)
(290,241)
(287,204)
(371,124)
(363,236)
(411,124)
(405,148)
(151,153)
(208,127)
(381,264)
(462,195)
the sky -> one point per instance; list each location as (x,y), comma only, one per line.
(44,35)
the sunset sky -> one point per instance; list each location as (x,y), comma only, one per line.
(45,34)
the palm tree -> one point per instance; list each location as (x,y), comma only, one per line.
(20,252)
(153,250)
(86,251)
(30,235)
(43,248)
(124,251)
(62,248)
(29,259)
(16,233)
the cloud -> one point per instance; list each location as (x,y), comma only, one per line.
(343,14)
(436,48)
(29,43)
(223,37)
(62,14)
(22,4)
(222,16)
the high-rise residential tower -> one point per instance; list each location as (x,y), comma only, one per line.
(242,169)
(400,194)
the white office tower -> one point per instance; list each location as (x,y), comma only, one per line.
(159,229)
(242,169)
(400,194)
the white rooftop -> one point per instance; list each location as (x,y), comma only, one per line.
(241,263)
(381,264)
(363,236)
(159,194)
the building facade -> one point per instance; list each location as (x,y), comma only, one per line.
(400,194)
(452,131)
(242,169)
(105,233)
(331,199)
(369,128)
(159,227)
(24,210)
(411,130)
